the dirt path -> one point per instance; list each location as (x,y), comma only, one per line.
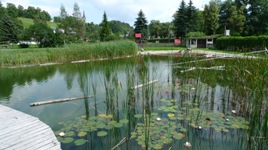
(207,53)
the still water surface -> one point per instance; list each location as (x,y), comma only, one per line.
(110,82)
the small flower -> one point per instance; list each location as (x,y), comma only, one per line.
(187,144)
(233,111)
(167,91)
(61,134)
(158,119)
(227,120)
(199,128)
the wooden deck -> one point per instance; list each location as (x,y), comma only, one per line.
(20,131)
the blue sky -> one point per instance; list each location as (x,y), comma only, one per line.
(122,10)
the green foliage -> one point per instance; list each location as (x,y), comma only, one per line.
(119,27)
(211,18)
(243,44)
(105,29)
(141,25)
(10,28)
(180,20)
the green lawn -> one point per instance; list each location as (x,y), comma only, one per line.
(27,22)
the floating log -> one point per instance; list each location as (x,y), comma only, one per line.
(57,101)
(141,85)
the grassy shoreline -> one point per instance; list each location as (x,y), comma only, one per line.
(73,52)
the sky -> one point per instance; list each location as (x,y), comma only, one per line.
(121,10)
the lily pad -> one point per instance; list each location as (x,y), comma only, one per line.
(69,134)
(81,134)
(102,133)
(80,142)
(67,140)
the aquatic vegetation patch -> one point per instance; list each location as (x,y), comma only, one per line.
(176,119)
(76,130)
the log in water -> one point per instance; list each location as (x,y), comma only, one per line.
(57,101)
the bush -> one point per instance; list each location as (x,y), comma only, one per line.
(23,45)
(242,44)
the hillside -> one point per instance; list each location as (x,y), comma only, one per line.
(27,22)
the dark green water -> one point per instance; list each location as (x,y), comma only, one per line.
(212,91)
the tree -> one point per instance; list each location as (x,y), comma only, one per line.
(119,27)
(211,18)
(237,20)
(257,19)
(63,12)
(20,11)
(105,29)
(165,29)
(154,28)
(76,11)
(43,35)
(224,15)
(2,10)
(10,28)
(92,31)
(191,15)
(141,25)
(180,20)
(12,10)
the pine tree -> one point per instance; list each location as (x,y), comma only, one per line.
(180,21)
(105,30)
(191,15)
(141,25)
(76,11)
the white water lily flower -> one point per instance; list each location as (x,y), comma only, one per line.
(158,119)
(187,144)
(62,134)
(199,127)
(227,120)
(233,111)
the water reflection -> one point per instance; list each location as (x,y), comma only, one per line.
(129,117)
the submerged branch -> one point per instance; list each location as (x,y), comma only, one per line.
(57,101)
(141,85)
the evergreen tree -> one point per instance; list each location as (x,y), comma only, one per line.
(76,11)
(191,15)
(180,21)
(105,29)
(10,28)
(63,12)
(141,25)
(2,10)
(211,18)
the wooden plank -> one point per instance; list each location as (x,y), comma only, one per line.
(20,131)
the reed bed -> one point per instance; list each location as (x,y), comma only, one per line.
(73,52)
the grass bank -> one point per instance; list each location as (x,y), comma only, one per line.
(73,52)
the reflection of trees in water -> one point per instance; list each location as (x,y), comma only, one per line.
(23,76)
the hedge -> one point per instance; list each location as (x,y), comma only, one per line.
(242,44)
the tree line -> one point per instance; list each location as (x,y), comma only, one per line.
(241,17)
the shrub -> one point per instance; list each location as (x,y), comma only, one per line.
(23,45)
(242,44)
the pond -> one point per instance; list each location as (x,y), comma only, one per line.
(147,102)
